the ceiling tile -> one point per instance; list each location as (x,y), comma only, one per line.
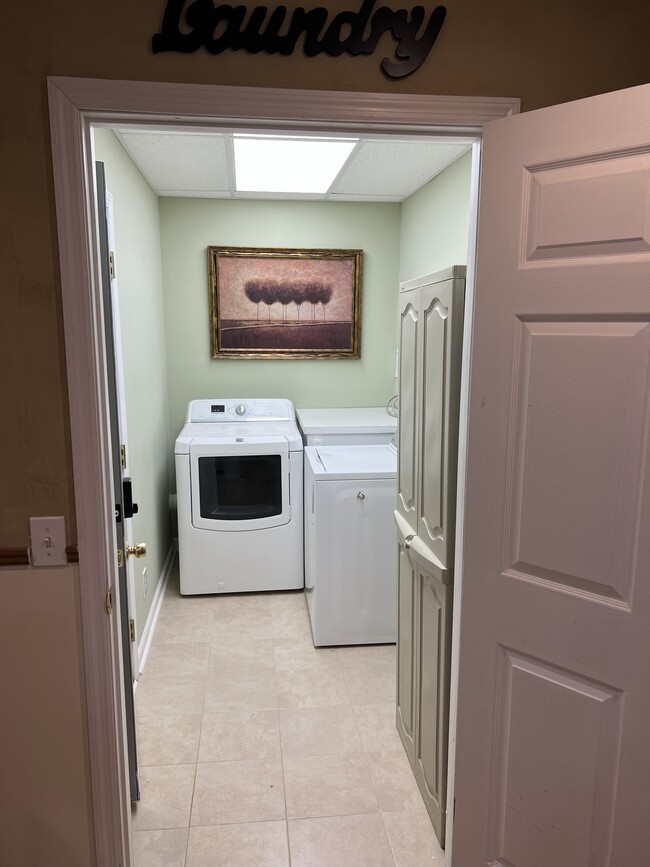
(184,163)
(394,168)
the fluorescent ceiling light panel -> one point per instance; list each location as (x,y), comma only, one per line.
(284,165)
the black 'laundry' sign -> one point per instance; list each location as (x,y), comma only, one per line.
(187,27)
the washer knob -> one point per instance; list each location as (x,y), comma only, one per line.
(240,409)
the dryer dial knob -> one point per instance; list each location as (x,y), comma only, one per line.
(240,409)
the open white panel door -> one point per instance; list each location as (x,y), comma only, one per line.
(123,433)
(553,738)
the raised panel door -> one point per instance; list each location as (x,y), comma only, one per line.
(552,760)
(432,676)
(441,325)
(409,381)
(406,618)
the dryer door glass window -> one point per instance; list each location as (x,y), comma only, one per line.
(240,488)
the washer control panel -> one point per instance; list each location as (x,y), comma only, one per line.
(241,410)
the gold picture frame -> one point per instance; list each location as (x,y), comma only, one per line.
(284,303)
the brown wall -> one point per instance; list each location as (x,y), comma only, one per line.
(545,53)
(44,787)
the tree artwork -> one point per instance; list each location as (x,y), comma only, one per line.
(312,293)
(325,282)
(254,293)
(300,297)
(285,297)
(325,297)
(269,293)
(297,292)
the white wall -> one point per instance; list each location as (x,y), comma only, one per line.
(139,278)
(189,226)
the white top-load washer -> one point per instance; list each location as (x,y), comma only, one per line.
(346,425)
(350,552)
(239,482)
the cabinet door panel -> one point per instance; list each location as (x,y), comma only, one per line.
(441,320)
(409,379)
(405,644)
(433,643)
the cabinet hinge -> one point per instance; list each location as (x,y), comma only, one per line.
(109,602)
(111,264)
(123,456)
(132,629)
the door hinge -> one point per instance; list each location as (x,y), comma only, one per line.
(132,629)
(109,602)
(111,263)
(123,456)
(120,558)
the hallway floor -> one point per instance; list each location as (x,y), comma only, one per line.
(258,750)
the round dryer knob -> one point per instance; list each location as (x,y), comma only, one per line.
(240,409)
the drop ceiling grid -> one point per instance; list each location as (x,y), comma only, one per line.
(201,165)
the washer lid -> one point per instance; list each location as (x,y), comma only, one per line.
(353,462)
(346,420)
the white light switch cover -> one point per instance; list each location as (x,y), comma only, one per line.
(47,541)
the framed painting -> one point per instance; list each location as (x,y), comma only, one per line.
(274,303)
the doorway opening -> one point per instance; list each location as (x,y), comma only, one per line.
(77,106)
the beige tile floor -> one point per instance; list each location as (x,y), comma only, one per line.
(258,750)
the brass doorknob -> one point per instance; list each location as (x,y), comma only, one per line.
(137,550)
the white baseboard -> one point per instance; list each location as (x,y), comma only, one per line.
(147,634)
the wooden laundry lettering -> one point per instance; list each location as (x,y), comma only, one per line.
(189,26)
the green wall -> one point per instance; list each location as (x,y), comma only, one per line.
(434,225)
(163,283)
(139,277)
(189,226)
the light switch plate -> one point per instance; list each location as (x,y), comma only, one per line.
(47,541)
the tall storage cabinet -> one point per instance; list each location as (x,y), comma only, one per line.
(430,342)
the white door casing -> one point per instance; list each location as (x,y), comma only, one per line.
(75,106)
(552,758)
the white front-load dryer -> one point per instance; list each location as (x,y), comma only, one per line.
(239,482)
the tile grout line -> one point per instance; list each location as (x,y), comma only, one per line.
(198,750)
(390,845)
(276,615)
(284,786)
(365,753)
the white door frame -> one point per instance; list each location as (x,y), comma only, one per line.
(76,105)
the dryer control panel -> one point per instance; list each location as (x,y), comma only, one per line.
(240,410)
